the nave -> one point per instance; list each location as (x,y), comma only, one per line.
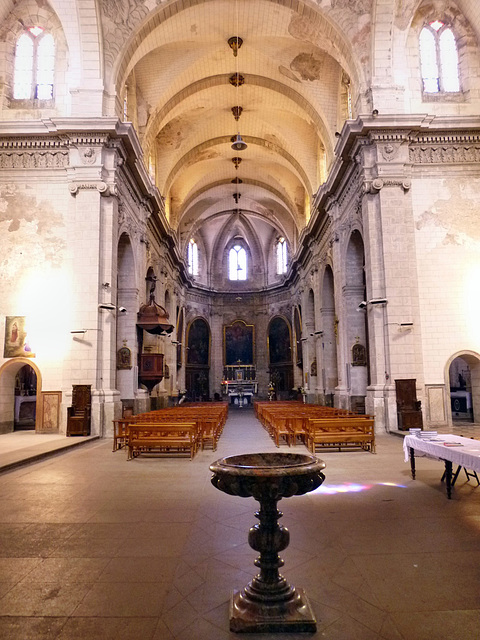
(93,546)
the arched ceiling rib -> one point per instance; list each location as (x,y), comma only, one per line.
(179,66)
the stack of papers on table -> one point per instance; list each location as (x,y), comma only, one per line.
(415,432)
(428,435)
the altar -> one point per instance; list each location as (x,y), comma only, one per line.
(239,384)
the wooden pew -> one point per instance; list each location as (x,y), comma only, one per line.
(209,418)
(120,432)
(341,432)
(167,438)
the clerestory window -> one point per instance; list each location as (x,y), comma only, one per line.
(281,256)
(34,65)
(439,59)
(237,263)
(192,257)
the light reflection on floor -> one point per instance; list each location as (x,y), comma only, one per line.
(351,487)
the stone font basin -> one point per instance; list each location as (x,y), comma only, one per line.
(268,603)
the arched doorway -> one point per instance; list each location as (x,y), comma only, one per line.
(464,385)
(25,399)
(197,371)
(20,388)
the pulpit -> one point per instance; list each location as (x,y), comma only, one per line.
(79,414)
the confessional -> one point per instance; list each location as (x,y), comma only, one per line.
(79,414)
(409,411)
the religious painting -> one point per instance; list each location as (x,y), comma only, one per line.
(16,343)
(279,341)
(238,342)
(313,367)
(124,358)
(198,349)
(359,355)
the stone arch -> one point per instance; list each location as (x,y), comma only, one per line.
(467,46)
(241,227)
(198,353)
(329,375)
(29,13)
(190,156)
(279,349)
(127,298)
(356,330)
(159,117)
(8,371)
(313,21)
(472,359)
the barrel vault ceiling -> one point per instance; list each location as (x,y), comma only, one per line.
(182,83)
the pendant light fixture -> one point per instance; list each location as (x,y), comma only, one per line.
(235,43)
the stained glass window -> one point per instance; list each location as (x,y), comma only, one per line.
(34,65)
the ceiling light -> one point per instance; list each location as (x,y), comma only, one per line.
(237,112)
(236,80)
(235,43)
(239,144)
(236,161)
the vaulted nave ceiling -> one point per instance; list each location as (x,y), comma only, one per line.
(180,85)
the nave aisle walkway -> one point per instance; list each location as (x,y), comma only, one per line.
(93,547)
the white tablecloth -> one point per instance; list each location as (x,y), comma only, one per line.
(468,455)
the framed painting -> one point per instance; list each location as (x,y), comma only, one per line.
(16,343)
(238,343)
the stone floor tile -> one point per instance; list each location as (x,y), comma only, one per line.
(30,628)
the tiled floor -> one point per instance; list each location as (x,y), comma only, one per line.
(95,547)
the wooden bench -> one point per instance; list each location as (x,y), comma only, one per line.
(210,420)
(120,432)
(341,432)
(165,438)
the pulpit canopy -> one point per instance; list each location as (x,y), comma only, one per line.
(154,319)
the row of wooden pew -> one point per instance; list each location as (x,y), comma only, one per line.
(316,426)
(175,431)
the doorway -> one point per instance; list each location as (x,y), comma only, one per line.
(460,379)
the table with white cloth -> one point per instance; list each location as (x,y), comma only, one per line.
(464,452)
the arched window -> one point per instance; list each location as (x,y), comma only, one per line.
(192,257)
(281,256)
(237,263)
(439,59)
(34,65)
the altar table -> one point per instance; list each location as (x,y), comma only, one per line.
(465,454)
